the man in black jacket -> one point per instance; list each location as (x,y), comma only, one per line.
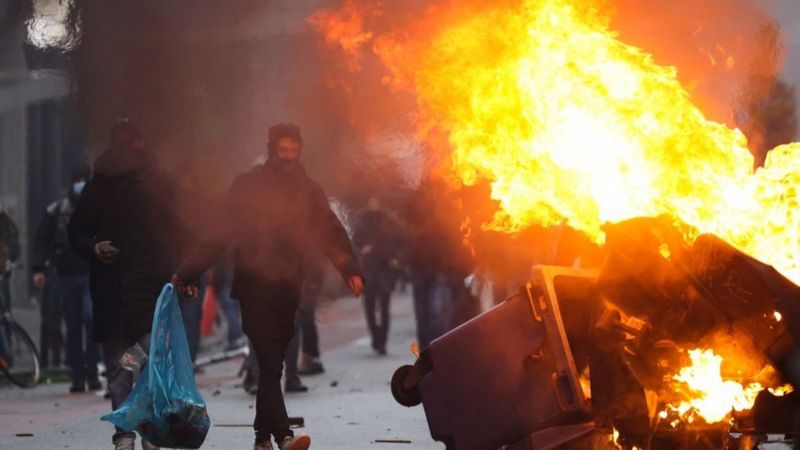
(126,224)
(275,213)
(51,246)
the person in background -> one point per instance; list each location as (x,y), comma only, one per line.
(51,247)
(126,223)
(378,243)
(311,290)
(292,382)
(9,253)
(310,362)
(194,203)
(438,260)
(425,257)
(192,314)
(274,212)
(51,318)
(222,279)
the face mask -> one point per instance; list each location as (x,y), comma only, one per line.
(288,164)
(77,187)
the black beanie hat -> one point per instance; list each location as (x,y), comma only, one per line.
(82,172)
(280,131)
(124,134)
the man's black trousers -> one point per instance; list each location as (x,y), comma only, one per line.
(268,319)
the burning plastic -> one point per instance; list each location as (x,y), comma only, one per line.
(676,350)
(713,397)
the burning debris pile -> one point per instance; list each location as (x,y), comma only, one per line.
(669,345)
(689,329)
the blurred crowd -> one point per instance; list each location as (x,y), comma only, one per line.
(103,250)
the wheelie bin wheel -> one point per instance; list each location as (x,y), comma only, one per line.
(403,394)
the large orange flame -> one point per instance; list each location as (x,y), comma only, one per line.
(570,125)
(713,398)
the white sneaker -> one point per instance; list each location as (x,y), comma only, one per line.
(125,443)
(299,442)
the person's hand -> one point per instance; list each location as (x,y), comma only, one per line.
(188,291)
(356,284)
(38,280)
(106,252)
(366,250)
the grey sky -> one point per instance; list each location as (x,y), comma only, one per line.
(787,13)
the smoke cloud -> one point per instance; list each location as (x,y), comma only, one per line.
(205,79)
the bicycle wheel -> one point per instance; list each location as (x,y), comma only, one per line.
(20,360)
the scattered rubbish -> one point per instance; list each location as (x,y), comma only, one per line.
(165,406)
(297,422)
(221,357)
(216,393)
(391,441)
(134,358)
(24,435)
(334,383)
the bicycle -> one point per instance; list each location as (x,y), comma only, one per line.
(19,359)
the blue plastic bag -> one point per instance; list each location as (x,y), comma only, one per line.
(166,407)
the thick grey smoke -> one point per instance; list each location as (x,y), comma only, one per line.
(205,79)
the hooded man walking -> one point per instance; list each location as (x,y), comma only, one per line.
(127,225)
(275,214)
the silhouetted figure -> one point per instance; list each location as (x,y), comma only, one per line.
(126,224)
(9,253)
(438,261)
(51,248)
(274,213)
(313,278)
(378,242)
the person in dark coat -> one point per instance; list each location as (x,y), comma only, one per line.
(275,213)
(51,247)
(438,260)
(222,278)
(310,361)
(9,252)
(126,224)
(378,242)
